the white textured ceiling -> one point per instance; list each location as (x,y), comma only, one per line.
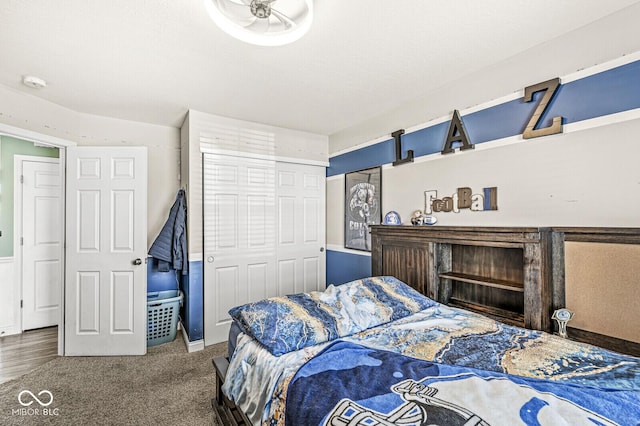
(152,60)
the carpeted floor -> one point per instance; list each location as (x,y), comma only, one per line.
(168,386)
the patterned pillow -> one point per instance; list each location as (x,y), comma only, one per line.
(288,323)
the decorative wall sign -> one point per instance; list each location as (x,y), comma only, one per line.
(463,198)
(362,207)
(456,133)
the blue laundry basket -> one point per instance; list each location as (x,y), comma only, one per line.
(163,308)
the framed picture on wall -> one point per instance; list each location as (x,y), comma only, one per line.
(362,207)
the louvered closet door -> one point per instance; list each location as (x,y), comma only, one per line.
(239,237)
(264,232)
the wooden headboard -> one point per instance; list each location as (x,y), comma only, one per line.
(514,274)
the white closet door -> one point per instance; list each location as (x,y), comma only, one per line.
(239,237)
(301,228)
(264,234)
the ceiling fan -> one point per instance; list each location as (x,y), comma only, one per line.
(262,22)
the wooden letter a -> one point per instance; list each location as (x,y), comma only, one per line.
(456,133)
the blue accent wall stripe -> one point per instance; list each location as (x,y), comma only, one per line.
(605,93)
(609,92)
(425,141)
(370,156)
(499,121)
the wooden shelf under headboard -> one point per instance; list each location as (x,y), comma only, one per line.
(497,271)
(514,274)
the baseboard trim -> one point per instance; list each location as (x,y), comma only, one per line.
(195,346)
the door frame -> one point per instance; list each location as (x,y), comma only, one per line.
(61,144)
(18,210)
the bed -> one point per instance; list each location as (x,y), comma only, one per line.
(377,352)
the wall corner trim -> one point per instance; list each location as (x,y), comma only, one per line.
(195,346)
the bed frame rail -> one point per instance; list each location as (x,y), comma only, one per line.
(224,409)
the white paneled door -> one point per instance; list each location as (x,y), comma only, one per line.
(301,253)
(105,290)
(264,234)
(41,242)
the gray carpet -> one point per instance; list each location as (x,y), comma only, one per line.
(168,386)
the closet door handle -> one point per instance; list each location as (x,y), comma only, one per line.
(137,261)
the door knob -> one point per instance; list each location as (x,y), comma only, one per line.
(321,249)
(137,261)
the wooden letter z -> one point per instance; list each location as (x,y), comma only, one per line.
(550,87)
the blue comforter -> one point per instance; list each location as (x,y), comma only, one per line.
(366,360)
(351,384)
(289,323)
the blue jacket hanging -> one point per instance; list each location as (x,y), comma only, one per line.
(170,246)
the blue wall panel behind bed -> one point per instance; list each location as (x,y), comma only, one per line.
(346,267)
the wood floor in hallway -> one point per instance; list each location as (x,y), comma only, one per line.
(21,353)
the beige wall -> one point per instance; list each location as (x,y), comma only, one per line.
(163,143)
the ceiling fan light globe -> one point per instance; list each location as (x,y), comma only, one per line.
(236,26)
(260,9)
